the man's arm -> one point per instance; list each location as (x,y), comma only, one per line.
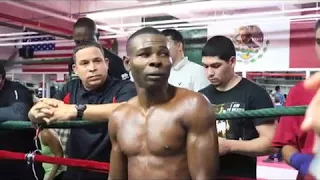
(103,111)
(20,103)
(265,127)
(50,138)
(202,141)
(118,160)
(256,147)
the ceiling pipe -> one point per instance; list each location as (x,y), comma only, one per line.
(35,24)
(58,16)
(28,29)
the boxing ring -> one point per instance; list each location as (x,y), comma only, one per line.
(102,167)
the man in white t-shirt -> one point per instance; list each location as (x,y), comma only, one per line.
(184,73)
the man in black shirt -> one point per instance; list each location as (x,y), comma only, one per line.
(15,102)
(85,30)
(93,87)
(240,140)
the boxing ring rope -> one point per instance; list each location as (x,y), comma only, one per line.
(32,157)
(104,167)
(267,112)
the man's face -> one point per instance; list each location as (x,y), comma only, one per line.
(175,49)
(318,43)
(150,60)
(91,67)
(81,34)
(218,71)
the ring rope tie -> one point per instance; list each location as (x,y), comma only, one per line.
(96,166)
(260,113)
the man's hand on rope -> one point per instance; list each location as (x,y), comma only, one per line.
(312,116)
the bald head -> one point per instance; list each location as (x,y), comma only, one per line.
(143,31)
(85,29)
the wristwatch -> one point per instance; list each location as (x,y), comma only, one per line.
(80,109)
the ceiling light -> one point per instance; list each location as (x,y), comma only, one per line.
(183,7)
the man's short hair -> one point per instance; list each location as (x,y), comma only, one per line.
(219,46)
(85,22)
(145,30)
(277,88)
(2,71)
(174,34)
(86,44)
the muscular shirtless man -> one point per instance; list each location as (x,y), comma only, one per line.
(165,132)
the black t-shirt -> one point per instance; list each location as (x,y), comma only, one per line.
(17,140)
(246,95)
(92,143)
(116,67)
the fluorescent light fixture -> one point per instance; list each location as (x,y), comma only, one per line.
(212,18)
(23,37)
(34,43)
(265,19)
(182,7)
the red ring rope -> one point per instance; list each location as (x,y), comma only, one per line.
(86,164)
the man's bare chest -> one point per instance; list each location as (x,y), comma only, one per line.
(159,133)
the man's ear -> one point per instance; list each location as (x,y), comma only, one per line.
(74,68)
(107,61)
(232,61)
(180,45)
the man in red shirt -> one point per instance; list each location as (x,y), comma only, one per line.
(296,144)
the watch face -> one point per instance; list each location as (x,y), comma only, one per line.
(81,107)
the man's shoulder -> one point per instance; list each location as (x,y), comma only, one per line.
(299,87)
(206,89)
(16,85)
(194,68)
(194,98)
(122,84)
(72,84)
(123,87)
(252,86)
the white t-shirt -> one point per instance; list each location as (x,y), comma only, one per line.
(189,75)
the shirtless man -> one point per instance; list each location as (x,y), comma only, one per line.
(165,132)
